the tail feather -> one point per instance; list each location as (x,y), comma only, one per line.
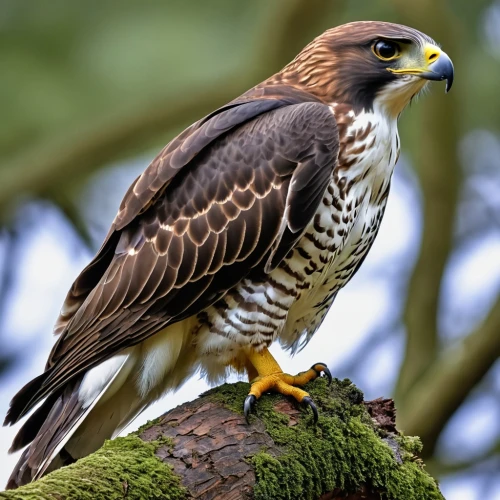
(21,474)
(58,422)
(27,433)
(25,399)
(51,428)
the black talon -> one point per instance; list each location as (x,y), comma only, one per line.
(250,400)
(309,402)
(325,370)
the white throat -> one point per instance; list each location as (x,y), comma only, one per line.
(372,155)
(394,98)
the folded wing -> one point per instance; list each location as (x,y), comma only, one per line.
(229,196)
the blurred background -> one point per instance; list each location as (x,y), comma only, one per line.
(90,92)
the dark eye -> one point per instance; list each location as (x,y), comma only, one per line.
(386,50)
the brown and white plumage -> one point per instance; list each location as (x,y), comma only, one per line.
(240,232)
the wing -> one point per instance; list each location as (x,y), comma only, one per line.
(192,226)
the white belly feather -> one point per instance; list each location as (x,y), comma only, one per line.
(372,170)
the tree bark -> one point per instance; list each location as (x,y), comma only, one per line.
(206,450)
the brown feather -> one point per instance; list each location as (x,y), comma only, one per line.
(178,245)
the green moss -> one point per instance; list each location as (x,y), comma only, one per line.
(147,425)
(344,450)
(412,445)
(232,396)
(123,468)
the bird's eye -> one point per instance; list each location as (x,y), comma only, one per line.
(386,50)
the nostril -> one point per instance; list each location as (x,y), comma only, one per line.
(433,56)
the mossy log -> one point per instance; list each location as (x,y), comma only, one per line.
(205,450)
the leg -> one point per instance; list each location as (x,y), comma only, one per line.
(251,371)
(270,377)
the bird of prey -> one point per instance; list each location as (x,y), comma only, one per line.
(240,232)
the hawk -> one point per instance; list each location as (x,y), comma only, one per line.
(240,232)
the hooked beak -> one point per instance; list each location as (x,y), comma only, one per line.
(439,66)
(433,64)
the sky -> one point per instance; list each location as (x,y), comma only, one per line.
(50,257)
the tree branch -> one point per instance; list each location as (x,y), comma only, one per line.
(432,384)
(441,469)
(448,381)
(206,450)
(438,168)
(67,160)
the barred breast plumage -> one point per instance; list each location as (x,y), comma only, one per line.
(291,303)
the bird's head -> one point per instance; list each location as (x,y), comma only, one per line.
(367,64)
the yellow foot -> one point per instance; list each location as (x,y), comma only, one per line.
(270,377)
